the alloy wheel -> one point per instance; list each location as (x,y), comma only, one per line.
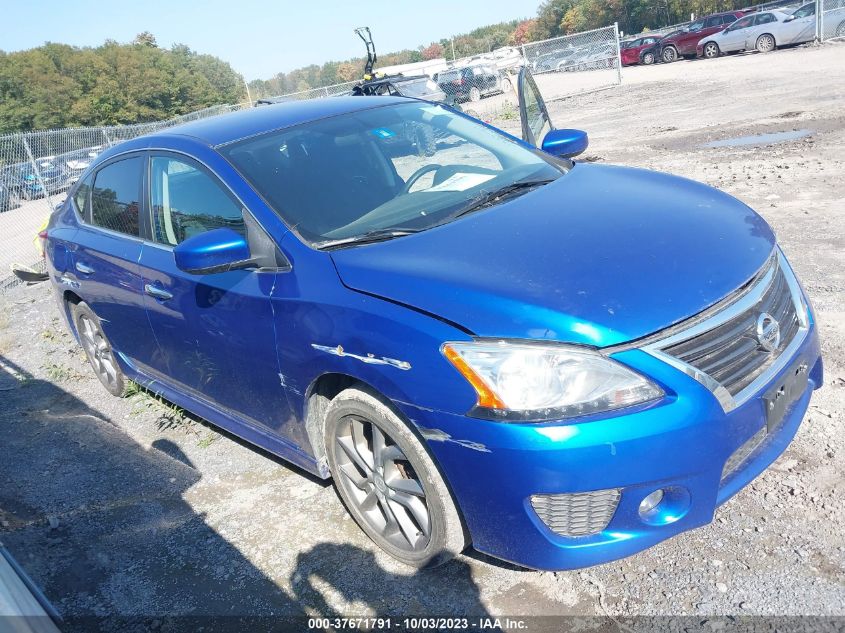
(711,50)
(765,43)
(648,59)
(379,479)
(840,30)
(98,351)
(669,54)
(474,94)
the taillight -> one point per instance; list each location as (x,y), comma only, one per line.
(42,238)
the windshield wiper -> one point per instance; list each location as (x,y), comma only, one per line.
(376,235)
(489,198)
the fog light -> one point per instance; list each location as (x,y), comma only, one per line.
(651,502)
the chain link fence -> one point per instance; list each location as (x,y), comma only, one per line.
(831,19)
(484,85)
(37,169)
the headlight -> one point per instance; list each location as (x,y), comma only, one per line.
(536,381)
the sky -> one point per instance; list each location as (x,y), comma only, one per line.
(259,39)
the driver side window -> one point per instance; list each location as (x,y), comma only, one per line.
(187,201)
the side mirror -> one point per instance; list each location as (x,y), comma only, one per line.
(789,19)
(214,251)
(565,143)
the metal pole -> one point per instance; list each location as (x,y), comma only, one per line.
(37,171)
(453,49)
(618,54)
(820,21)
(106,136)
(248,95)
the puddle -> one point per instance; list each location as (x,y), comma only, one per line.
(761,139)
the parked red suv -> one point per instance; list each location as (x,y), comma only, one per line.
(683,44)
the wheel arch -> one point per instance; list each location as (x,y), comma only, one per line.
(320,394)
(70,299)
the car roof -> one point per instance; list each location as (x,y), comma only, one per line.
(226,128)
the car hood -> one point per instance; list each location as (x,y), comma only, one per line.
(601,256)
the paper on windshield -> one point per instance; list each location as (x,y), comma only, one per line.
(461,182)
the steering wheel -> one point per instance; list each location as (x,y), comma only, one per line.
(422,171)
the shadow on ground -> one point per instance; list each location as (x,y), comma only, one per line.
(100,523)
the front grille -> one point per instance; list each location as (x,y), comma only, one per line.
(731,353)
(577,514)
(743,452)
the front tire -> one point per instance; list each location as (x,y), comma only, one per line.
(648,59)
(98,349)
(840,30)
(711,50)
(507,86)
(474,94)
(765,43)
(388,481)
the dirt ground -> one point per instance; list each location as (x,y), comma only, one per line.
(121,507)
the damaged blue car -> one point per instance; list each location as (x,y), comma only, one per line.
(481,341)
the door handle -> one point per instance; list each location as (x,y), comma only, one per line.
(159,293)
(85,269)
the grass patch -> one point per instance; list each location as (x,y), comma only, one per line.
(57,372)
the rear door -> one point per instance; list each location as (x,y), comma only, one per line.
(215,332)
(107,250)
(735,36)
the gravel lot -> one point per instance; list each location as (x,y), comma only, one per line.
(121,507)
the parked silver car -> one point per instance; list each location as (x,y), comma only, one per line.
(749,32)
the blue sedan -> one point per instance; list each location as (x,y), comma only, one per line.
(480,341)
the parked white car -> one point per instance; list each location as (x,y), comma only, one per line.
(833,20)
(751,31)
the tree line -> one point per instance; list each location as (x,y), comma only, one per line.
(56,85)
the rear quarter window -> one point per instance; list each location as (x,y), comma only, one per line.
(116,196)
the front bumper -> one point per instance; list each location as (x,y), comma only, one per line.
(681,443)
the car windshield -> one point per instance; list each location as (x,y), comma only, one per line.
(404,168)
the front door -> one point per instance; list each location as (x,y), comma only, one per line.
(734,37)
(215,332)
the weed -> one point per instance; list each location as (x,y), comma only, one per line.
(57,372)
(48,335)
(208,440)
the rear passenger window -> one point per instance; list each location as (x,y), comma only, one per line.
(187,201)
(115,199)
(82,196)
(764,18)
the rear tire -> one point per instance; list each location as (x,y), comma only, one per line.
(98,349)
(670,54)
(840,30)
(389,483)
(765,43)
(474,94)
(507,86)
(711,50)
